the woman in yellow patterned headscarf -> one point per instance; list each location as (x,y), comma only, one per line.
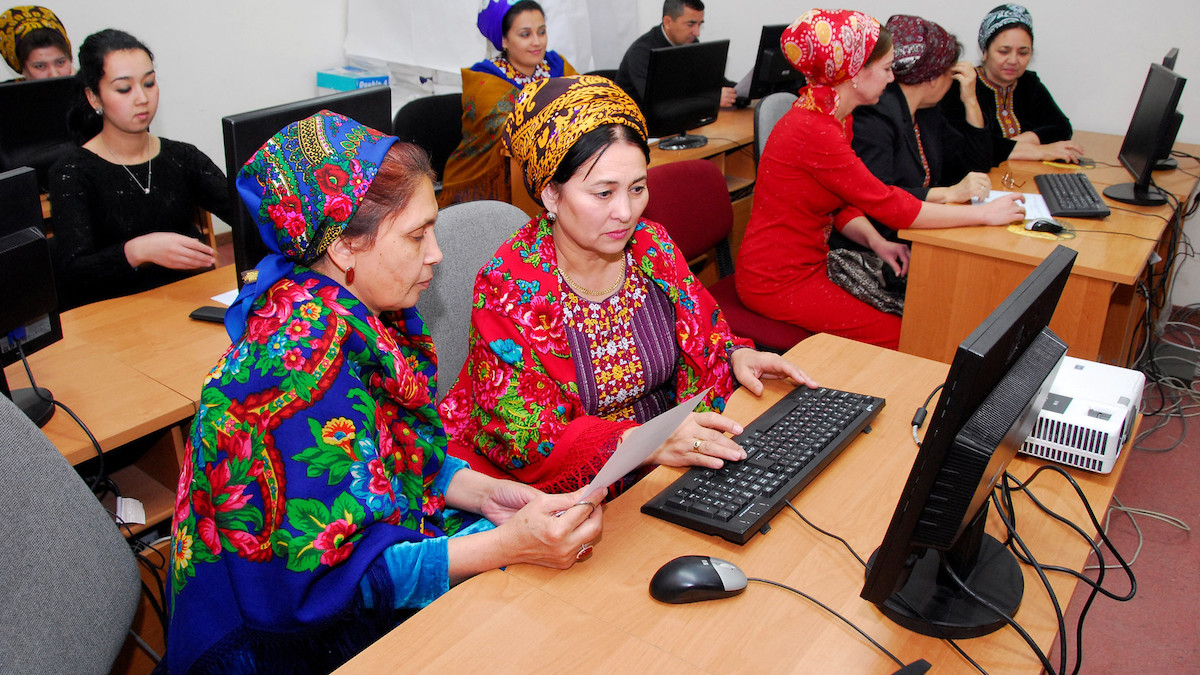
(34,42)
(588,322)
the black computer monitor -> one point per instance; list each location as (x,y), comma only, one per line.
(991,398)
(683,91)
(20,205)
(29,309)
(772,71)
(1150,137)
(1165,162)
(245,133)
(33,123)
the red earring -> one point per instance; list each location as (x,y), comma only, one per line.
(349,276)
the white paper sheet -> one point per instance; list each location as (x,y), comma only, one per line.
(642,441)
(227,297)
(1035,204)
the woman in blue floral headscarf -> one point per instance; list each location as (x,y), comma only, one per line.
(317,507)
(517,29)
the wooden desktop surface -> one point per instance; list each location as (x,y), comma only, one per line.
(599,614)
(956,276)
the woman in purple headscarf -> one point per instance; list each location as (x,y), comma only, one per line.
(517,29)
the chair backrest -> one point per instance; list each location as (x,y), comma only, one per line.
(434,123)
(769,110)
(469,235)
(691,200)
(70,583)
(610,73)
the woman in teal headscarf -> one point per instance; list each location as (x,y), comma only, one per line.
(317,507)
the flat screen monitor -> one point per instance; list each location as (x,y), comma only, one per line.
(1166,162)
(29,309)
(245,133)
(20,204)
(683,91)
(1150,137)
(33,123)
(772,71)
(997,383)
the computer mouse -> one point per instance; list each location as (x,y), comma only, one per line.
(1044,225)
(692,578)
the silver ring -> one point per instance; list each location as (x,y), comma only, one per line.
(585,551)
(696,445)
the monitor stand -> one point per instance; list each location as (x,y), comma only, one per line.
(1166,164)
(683,142)
(1130,193)
(929,602)
(37,405)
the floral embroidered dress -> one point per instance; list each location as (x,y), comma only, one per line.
(516,409)
(310,512)
(477,169)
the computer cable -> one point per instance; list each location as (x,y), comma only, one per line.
(862,562)
(95,444)
(1131,513)
(832,611)
(918,419)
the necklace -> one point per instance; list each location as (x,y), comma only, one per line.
(149,165)
(584,291)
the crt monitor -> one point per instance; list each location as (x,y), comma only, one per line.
(683,91)
(1150,137)
(33,123)
(29,310)
(245,133)
(772,71)
(991,398)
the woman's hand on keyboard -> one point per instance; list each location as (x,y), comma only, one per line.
(751,367)
(701,441)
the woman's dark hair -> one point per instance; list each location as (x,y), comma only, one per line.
(882,46)
(83,121)
(595,143)
(37,39)
(516,10)
(401,171)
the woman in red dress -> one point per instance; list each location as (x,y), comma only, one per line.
(811,181)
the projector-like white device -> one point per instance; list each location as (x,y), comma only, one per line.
(1088,415)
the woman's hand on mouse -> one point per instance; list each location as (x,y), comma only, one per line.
(1002,210)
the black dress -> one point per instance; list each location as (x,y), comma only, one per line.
(98,206)
(1032,103)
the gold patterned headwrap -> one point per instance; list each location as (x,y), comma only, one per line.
(17,22)
(551,114)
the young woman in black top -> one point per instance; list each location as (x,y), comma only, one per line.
(125,203)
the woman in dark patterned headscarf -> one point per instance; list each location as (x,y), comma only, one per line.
(906,141)
(1024,120)
(588,322)
(34,43)
(317,507)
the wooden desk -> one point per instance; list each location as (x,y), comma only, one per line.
(957,276)
(601,609)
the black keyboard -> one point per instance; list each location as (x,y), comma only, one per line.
(786,446)
(1071,195)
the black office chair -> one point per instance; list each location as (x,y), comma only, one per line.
(434,123)
(610,73)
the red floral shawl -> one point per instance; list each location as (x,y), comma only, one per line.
(515,408)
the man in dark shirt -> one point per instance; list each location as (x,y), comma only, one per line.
(680,25)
